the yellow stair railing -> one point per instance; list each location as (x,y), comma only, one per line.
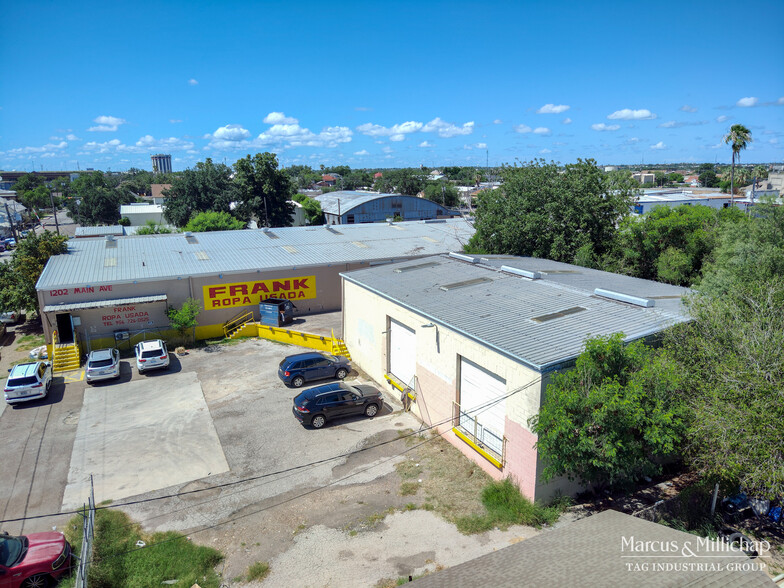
(65,356)
(234,325)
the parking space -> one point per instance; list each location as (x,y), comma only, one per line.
(217,415)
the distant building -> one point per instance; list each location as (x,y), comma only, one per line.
(348,207)
(161,163)
(610,168)
(157,192)
(650,200)
(644,178)
(139,214)
(693,181)
(13,209)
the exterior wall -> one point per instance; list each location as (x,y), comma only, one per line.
(438,351)
(139,219)
(380,209)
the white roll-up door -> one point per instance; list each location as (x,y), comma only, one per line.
(481,413)
(402,352)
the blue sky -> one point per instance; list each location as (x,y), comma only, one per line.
(388,84)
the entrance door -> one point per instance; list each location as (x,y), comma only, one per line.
(402,352)
(482,404)
(65,332)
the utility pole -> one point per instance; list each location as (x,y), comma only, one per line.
(54,212)
(10,221)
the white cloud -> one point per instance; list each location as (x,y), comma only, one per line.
(545,151)
(363,152)
(72,137)
(362,109)
(541,131)
(498,121)
(628,114)
(481,145)
(193,82)
(387,149)
(231,133)
(553,109)
(687,108)
(426,144)
(747,102)
(722,118)
(659,145)
(395,132)
(105,147)
(780,100)
(633,140)
(278,118)
(106,123)
(48,148)
(604,127)
(670,124)
(150,143)
(468,147)
(523,129)
(566,121)
(773,141)
(447,130)
(174,121)
(293,135)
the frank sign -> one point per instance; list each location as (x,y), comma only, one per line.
(248,293)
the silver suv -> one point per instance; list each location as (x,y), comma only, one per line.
(102,364)
(151,355)
(28,381)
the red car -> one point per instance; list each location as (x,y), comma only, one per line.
(36,560)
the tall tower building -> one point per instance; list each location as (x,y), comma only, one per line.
(161,164)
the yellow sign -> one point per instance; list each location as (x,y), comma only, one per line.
(247,293)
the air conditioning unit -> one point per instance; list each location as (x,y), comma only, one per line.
(121,335)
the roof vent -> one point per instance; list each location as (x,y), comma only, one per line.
(434,220)
(474,282)
(521,272)
(462,257)
(409,268)
(620,297)
(554,315)
(110,237)
(188,234)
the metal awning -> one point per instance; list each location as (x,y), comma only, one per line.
(66,306)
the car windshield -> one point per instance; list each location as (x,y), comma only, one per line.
(350,388)
(331,358)
(152,353)
(25,381)
(11,550)
(99,363)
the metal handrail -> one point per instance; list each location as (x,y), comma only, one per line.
(54,346)
(237,322)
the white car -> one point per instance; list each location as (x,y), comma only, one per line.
(10,318)
(102,364)
(28,381)
(151,355)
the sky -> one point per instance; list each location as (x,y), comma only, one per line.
(388,84)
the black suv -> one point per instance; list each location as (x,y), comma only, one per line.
(317,405)
(297,369)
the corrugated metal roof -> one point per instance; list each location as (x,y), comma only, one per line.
(500,313)
(103,303)
(156,257)
(349,199)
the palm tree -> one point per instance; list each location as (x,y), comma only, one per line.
(739,137)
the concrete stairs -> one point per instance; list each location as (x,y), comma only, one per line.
(66,358)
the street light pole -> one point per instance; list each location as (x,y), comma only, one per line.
(54,211)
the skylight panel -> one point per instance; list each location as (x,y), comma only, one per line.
(548,317)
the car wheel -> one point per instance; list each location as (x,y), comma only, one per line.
(48,386)
(39,581)
(297,381)
(318,421)
(341,373)
(371,410)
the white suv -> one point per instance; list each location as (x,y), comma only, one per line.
(151,355)
(28,381)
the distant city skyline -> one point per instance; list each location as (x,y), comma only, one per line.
(389,84)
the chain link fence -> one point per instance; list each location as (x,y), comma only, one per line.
(88,530)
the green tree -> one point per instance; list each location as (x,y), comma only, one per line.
(302,176)
(93,202)
(312,207)
(183,319)
(442,193)
(733,354)
(207,187)
(264,191)
(670,244)
(542,211)
(35,199)
(709,179)
(19,276)
(401,181)
(739,137)
(214,221)
(27,183)
(153,228)
(611,418)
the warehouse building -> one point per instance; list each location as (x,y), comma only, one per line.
(473,342)
(107,288)
(353,207)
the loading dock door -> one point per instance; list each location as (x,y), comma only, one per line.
(480,415)
(402,352)
(65,332)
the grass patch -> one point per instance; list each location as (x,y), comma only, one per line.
(505,505)
(28,342)
(118,563)
(409,488)
(409,469)
(258,571)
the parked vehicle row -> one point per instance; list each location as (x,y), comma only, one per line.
(104,364)
(28,381)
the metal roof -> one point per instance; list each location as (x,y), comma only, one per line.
(534,322)
(598,551)
(169,256)
(126,209)
(350,199)
(103,303)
